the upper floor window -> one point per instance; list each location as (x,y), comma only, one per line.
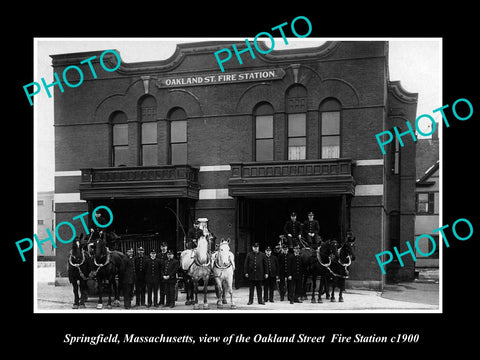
(330,129)
(178,137)
(296,101)
(263,132)
(119,138)
(147,112)
(427,202)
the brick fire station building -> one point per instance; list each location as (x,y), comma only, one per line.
(163,143)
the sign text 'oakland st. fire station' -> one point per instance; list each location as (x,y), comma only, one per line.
(224,78)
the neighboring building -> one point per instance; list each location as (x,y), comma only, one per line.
(427,200)
(45,219)
(163,143)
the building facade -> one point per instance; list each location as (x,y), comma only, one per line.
(163,143)
(45,220)
(427,200)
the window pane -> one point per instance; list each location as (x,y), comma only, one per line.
(331,123)
(120,134)
(301,141)
(296,125)
(178,131)
(423,197)
(330,147)
(149,133)
(296,152)
(120,154)
(149,155)
(179,153)
(264,150)
(297,148)
(264,127)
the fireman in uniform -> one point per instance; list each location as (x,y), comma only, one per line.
(254,267)
(311,229)
(293,230)
(295,275)
(283,271)
(193,235)
(169,276)
(139,261)
(271,269)
(162,256)
(152,278)
(129,279)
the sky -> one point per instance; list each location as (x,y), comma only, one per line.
(416,62)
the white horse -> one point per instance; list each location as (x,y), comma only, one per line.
(223,266)
(197,264)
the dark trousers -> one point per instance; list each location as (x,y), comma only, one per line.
(163,291)
(268,288)
(294,289)
(127,294)
(282,288)
(169,293)
(140,290)
(152,288)
(255,284)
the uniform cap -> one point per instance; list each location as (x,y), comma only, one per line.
(256,244)
(310,213)
(293,213)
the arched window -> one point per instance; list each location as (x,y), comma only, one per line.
(178,136)
(147,113)
(263,127)
(330,127)
(297,122)
(118,121)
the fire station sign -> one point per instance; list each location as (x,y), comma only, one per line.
(222,78)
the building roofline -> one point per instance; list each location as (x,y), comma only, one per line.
(202,47)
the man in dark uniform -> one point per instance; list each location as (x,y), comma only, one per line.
(129,279)
(169,276)
(152,278)
(293,230)
(162,257)
(271,270)
(283,271)
(193,235)
(140,262)
(295,275)
(311,229)
(254,268)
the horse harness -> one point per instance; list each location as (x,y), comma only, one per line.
(99,266)
(345,265)
(78,266)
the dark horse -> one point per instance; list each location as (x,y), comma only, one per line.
(317,262)
(108,264)
(339,267)
(79,267)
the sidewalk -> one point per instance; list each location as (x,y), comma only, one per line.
(400,297)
